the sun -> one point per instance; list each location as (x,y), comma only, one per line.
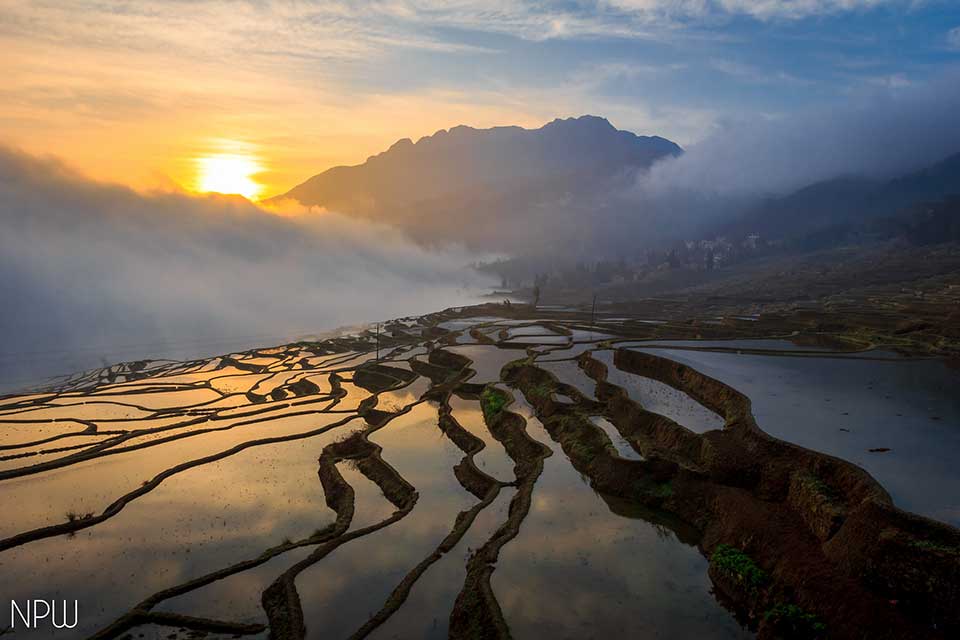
(229,173)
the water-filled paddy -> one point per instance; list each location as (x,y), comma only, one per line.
(660,398)
(847,406)
(577,564)
(214,468)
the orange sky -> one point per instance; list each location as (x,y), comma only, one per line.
(290,135)
(141,93)
(142,124)
(145,93)
(143,101)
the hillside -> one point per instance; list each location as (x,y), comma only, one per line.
(845,203)
(486,178)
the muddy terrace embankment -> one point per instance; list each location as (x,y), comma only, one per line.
(824,535)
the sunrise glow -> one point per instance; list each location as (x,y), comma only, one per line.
(229,173)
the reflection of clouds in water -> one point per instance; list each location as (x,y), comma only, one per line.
(195,522)
(575,565)
(339,593)
(661,398)
(91,486)
(493,458)
(881,403)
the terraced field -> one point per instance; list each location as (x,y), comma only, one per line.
(487,472)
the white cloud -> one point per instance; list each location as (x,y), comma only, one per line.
(750,73)
(350,30)
(759,9)
(953,38)
(796,9)
(892,81)
(781,154)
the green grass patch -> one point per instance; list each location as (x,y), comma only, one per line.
(738,566)
(492,402)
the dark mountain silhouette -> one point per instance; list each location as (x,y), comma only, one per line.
(846,203)
(480,179)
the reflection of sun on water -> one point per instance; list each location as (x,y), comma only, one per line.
(229,173)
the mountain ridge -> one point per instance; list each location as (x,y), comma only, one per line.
(489,180)
(846,200)
(463,157)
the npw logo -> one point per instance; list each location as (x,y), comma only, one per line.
(35,614)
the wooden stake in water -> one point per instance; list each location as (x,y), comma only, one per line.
(593,310)
(378,342)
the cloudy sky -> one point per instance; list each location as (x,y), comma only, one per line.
(135,92)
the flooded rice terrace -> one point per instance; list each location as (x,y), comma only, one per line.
(490,473)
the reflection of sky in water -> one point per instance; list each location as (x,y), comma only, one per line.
(487,360)
(553,339)
(569,372)
(616,438)
(466,323)
(533,330)
(910,407)
(590,334)
(426,613)
(396,400)
(660,398)
(492,459)
(195,522)
(579,563)
(340,592)
(89,487)
(576,567)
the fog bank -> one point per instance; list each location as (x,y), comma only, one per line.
(876,133)
(95,272)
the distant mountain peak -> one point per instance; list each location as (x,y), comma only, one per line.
(423,185)
(583,121)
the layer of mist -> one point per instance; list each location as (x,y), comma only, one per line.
(877,134)
(95,273)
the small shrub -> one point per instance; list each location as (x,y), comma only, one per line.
(492,402)
(738,566)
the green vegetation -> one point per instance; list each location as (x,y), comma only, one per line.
(540,391)
(492,402)
(738,566)
(792,621)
